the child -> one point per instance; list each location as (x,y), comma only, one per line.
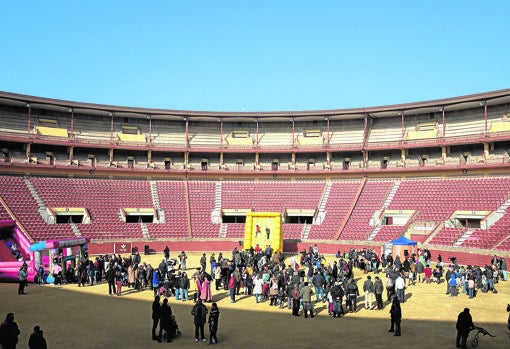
(410,278)
(330,303)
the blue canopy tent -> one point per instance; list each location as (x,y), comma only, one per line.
(403,247)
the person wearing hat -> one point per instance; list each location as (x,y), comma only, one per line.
(37,340)
(464,325)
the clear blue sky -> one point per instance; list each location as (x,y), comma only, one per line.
(254,55)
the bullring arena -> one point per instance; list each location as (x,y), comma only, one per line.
(84,180)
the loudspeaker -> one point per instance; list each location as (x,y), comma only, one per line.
(147,250)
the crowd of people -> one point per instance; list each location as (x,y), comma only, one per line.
(298,286)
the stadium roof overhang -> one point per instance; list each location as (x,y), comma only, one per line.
(448,104)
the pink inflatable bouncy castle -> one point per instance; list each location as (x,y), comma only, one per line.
(14,251)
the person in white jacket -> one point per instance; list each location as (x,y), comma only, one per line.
(257,287)
(400,285)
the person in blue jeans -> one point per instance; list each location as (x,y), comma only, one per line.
(184,286)
(319,281)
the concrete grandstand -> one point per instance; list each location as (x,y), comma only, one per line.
(437,172)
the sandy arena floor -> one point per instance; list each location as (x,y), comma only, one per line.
(73,317)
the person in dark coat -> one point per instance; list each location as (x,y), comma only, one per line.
(37,340)
(464,325)
(378,290)
(110,277)
(156,314)
(9,332)
(165,322)
(199,313)
(396,316)
(337,293)
(214,316)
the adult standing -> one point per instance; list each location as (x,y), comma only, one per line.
(232,288)
(352,294)
(57,275)
(396,316)
(337,294)
(156,314)
(217,276)
(203,262)
(155,282)
(419,268)
(257,287)
(306,295)
(199,313)
(378,291)
(166,251)
(400,285)
(273,290)
(110,277)
(464,325)
(212,262)
(508,310)
(205,287)
(295,300)
(237,276)
(184,286)
(368,289)
(165,321)
(22,279)
(319,281)
(9,332)
(182,260)
(213,323)
(37,340)
(504,267)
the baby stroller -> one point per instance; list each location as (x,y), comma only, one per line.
(164,292)
(479,330)
(173,330)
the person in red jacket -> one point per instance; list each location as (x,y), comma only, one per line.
(428,273)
